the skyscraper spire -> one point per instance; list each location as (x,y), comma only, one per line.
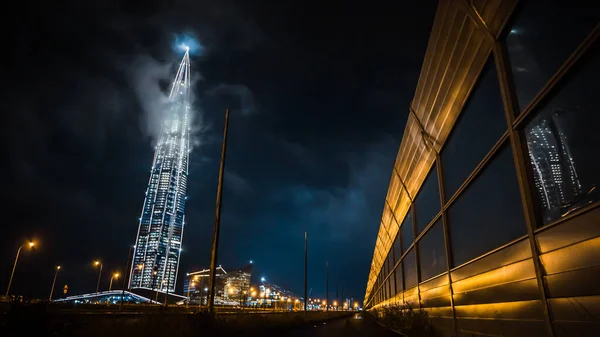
(160,233)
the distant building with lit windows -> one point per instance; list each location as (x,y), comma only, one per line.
(231,288)
(158,244)
(552,163)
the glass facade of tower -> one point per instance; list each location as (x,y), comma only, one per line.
(491,223)
(158,244)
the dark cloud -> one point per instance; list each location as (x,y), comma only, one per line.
(318,101)
(237,94)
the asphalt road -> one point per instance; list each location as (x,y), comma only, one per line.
(354,326)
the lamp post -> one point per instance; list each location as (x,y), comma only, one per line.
(30,244)
(98,263)
(114,276)
(53,282)
(126,276)
(154,275)
(190,285)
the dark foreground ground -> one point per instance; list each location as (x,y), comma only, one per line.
(355,326)
(40,321)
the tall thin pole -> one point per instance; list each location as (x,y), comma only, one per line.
(53,283)
(305,271)
(216,228)
(125,276)
(168,278)
(336,295)
(99,274)
(343,299)
(326,286)
(13,271)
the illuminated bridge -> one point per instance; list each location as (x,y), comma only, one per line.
(138,296)
(491,221)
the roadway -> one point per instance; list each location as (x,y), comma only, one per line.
(354,326)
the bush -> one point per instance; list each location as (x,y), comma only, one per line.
(405,319)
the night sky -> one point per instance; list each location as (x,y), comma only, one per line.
(319,98)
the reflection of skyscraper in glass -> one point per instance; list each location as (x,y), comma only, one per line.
(552,162)
(158,244)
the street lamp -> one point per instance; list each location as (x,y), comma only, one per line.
(115,275)
(30,244)
(140,267)
(53,282)
(192,284)
(98,263)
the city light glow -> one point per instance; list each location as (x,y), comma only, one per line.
(188,43)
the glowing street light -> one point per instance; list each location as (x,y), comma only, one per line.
(53,282)
(98,263)
(115,275)
(262,279)
(30,244)
(192,284)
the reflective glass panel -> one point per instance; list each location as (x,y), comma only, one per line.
(408,234)
(480,125)
(399,285)
(432,252)
(489,212)
(410,270)
(427,202)
(543,35)
(397,247)
(563,142)
(392,285)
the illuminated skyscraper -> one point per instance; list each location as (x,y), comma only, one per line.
(158,244)
(554,171)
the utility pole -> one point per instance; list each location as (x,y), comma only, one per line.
(326,286)
(126,276)
(343,299)
(305,270)
(336,295)
(53,282)
(168,278)
(216,228)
